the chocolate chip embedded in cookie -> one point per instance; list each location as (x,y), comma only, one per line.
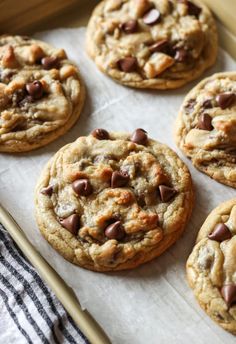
(220,233)
(41,93)
(35,89)
(100,134)
(50,62)
(71,223)
(139,136)
(228,293)
(158,44)
(82,187)
(112,201)
(115,231)
(206,127)
(211,267)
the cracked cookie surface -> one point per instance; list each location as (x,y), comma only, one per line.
(41,93)
(112,201)
(206,127)
(158,44)
(211,267)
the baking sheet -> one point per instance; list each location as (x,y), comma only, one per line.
(152,303)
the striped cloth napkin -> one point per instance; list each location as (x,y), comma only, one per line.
(30,312)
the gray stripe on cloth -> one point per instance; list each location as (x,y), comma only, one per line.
(13,316)
(16,254)
(32,313)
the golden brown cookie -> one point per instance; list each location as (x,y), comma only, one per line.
(158,44)
(206,127)
(211,267)
(41,93)
(112,201)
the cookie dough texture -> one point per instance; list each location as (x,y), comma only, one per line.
(212,265)
(41,93)
(149,224)
(206,127)
(157,44)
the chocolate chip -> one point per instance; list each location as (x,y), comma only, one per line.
(207,104)
(25,101)
(181,55)
(100,134)
(225,100)
(171,6)
(204,122)
(127,64)
(193,10)
(220,233)
(50,62)
(71,223)
(139,136)
(82,187)
(47,190)
(161,46)
(228,293)
(130,26)
(119,179)
(115,231)
(166,193)
(189,106)
(153,16)
(35,89)
(18,96)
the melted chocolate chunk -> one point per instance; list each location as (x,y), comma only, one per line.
(127,64)
(130,26)
(207,104)
(193,9)
(189,106)
(18,96)
(25,101)
(162,46)
(166,193)
(181,55)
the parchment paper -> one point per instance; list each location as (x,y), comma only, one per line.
(151,304)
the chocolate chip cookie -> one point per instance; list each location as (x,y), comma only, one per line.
(206,127)
(41,93)
(211,267)
(158,44)
(112,201)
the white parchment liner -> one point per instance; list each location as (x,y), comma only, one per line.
(153,303)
